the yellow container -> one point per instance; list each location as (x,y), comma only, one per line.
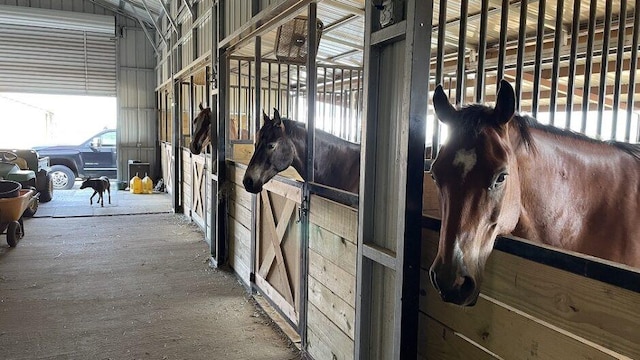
(135,185)
(147,185)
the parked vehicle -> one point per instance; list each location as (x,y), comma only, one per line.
(29,169)
(94,157)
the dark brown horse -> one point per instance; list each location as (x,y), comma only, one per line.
(501,173)
(282,143)
(201,125)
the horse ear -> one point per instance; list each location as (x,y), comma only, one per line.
(201,108)
(276,117)
(444,110)
(265,117)
(505,102)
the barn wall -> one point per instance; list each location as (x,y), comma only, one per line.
(527,308)
(333,237)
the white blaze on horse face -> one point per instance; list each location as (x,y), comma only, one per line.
(465,159)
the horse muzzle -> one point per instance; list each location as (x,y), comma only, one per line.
(460,289)
(251,186)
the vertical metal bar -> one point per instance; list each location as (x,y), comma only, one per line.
(482,51)
(288,90)
(442,28)
(351,110)
(343,122)
(632,73)
(238,107)
(192,107)
(522,44)
(259,106)
(557,39)
(462,49)
(504,23)
(586,91)
(269,103)
(359,105)
(279,88)
(333,101)
(622,27)
(250,115)
(603,65)
(538,61)
(297,104)
(324,99)
(312,83)
(575,36)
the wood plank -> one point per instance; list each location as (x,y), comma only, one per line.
(337,218)
(436,341)
(269,291)
(272,235)
(335,309)
(293,193)
(333,248)
(240,196)
(283,225)
(242,152)
(334,278)
(240,214)
(319,349)
(236,173)
(430,197)
(327,335)
(240,238)
(505,331)
(604,314)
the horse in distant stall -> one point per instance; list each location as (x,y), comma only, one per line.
(502,173)
(282,143)
(201,125)
(201,137)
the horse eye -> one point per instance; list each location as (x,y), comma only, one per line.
(500,179)
(271,146)
(434,178)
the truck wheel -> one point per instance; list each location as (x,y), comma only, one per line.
(14,233)
(62,177)
(46,194)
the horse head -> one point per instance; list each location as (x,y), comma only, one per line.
(477,176)
(201,125)
(274,152)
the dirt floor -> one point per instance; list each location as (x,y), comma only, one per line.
(125,287)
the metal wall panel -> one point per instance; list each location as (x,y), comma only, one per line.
(56,61)
(137,117)
(236,14)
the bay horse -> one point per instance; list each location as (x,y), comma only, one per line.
(282,142)
(201,136)
(502,173)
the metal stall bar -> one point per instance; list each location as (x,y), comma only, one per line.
(238,106)
(442,25)
(312,88)
(575,35)
(359,109)
(602,93)
(269,103)
(482,51)
(555,69)
(504,22)
(586,89)
(622,26)
(632,75)
(343,117)
(538,59)
(221,61)
(332,108)
(462,50)
(279,88)
(522,38)
(288,96)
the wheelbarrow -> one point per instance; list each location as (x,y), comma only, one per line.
(11,210)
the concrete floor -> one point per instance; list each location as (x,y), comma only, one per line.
(124,287)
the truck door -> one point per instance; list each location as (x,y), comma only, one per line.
(100,157)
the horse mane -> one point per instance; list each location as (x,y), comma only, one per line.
(476,116)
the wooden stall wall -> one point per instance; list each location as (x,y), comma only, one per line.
(527,310)
(167,166)
(240,222)
(333,235)
(187,182)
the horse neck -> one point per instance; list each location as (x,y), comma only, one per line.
(563,179)
(298,136)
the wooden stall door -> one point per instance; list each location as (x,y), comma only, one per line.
(278,247)
(198,187)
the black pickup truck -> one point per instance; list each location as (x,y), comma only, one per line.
(93,158)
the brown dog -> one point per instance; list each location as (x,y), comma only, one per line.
(99,185)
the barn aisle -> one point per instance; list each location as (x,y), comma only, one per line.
(125,287)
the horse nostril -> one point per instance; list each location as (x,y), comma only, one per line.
(468,285)
(248,183)
(434,280)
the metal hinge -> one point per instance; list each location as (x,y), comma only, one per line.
(303,209)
